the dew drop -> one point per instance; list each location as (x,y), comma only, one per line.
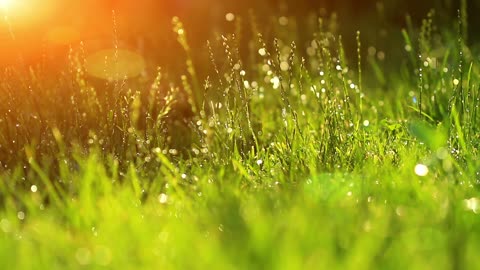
(163,198)
(230,17)
(421,170)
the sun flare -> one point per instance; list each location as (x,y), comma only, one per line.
(5,4)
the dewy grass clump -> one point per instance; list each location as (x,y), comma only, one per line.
(276,147)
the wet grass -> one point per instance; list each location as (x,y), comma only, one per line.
(275,155)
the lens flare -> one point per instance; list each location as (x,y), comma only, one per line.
(5,4)
(28,12)
(115,64)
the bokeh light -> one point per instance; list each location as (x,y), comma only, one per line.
(115,64)
(421,170)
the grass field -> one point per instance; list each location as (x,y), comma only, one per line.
(273,148)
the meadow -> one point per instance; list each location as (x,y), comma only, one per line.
(279,143)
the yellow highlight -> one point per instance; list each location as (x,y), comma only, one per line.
(5,4)
(28,12)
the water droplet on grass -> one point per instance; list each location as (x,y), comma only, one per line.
(421,170)
(472,204)
(276,82)
(230,17)
(262,51)
(283,21)
(21,215)
(163,198)
(284,66)
(5,225)
(400,211)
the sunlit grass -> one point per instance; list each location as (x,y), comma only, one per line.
(298,156)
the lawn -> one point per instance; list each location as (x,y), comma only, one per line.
(274,142)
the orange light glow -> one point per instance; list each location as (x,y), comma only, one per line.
(39,31)
(27,12)
(62,35)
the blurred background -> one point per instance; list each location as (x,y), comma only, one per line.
(32,31)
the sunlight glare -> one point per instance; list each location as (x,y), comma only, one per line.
(5,4)
(30,13)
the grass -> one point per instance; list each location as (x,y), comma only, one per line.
(274,155)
